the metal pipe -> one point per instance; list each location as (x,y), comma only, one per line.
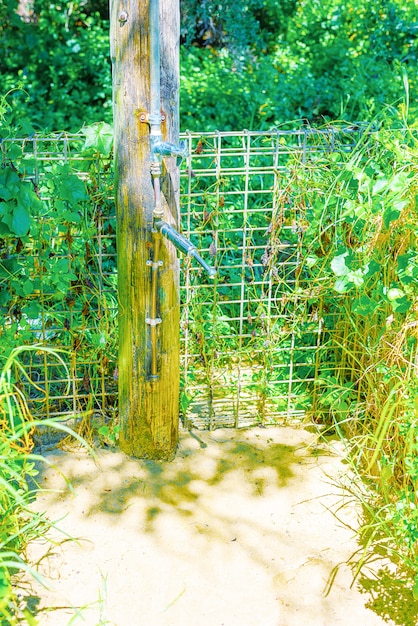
(154,117)
(154,320)
(160,150)
(184,245)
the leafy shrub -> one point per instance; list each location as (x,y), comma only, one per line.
(360,229)
(19,524)
(67,80)
(328,63)
(263,65)
(52,279)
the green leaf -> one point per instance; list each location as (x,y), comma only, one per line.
(185,401)
(5,586)
(390,215)
(311,260)
(99,340)
(14,152)
(399,205)
(398,300)
(401,305)
(27,287)
(408,268)
(4,296)
(342,285)
(395,294)
(30,619)
(355,210)
(403,261)
(72,189)
(371,268)
(4,229)
(99,137)
(379,185)
(28,198)
(399,183)
(364,306)
(338,264)
(9,183)
(71,216)
(20,222)
(8,267)
(26,126)
(32,310)
(356,277)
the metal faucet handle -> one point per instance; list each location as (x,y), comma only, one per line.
(165,149)
(184,245)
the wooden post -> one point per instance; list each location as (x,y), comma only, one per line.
(148,411)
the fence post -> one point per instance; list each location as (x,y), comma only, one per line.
(148,409)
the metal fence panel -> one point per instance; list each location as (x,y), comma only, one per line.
(252,339)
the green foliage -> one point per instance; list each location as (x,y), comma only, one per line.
(254,65)
(360,229)
(19,524)
(109,433)
(255,25)
(217,94)
(356,210)
(329,62)
(99,138)
(51,276)
(67,81)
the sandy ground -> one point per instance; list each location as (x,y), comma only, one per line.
(236,531)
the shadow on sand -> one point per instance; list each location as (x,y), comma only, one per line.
(207,466)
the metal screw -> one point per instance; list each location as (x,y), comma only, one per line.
(123,16)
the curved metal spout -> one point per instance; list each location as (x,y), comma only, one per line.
(166,149)
(184,245)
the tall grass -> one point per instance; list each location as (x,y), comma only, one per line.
(19,523)
(363,255)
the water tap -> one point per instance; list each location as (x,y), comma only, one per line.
(165,149)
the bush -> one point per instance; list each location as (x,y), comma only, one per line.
(67,80)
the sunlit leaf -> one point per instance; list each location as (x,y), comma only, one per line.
(395,294)
(20,222)
(99,137)
(338,264)
(379,185)
(342,285)
(9,183)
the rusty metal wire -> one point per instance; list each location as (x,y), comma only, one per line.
(251,340)
(251,343)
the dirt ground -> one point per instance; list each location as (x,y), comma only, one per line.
(236,531)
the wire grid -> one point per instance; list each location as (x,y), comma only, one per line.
(252,340)
(58,284)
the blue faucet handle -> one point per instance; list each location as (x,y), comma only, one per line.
(165,149)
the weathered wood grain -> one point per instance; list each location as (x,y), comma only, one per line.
(148,410)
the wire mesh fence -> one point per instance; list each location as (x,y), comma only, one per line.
(253,340)
(58,281)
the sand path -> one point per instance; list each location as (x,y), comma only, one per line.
(235,531)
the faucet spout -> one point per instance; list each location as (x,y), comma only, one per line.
(164,149)
(184,245)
